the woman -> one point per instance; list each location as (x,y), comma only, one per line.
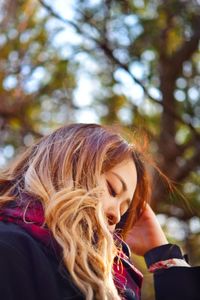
(62,203)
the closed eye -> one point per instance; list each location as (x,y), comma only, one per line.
(111,190)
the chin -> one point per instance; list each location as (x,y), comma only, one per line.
(112,230)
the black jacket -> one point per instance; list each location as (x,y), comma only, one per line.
(31,271)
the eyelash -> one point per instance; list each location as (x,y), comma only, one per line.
(111,190)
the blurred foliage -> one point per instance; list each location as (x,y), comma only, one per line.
(35,81)
(139,61)
(147,290)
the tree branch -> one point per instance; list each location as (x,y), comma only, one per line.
(188,48)
(190,165)
(109,53)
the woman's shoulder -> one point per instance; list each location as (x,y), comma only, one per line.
(11,233)
(24,260)
(16,243)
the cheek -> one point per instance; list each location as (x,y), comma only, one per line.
(123,209)
(105,201)
(103,197)
(103,185)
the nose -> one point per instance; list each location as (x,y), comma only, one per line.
(113,215)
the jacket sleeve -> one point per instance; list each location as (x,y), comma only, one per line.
(174,283)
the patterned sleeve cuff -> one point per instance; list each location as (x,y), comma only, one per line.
(162,253)
(166,264)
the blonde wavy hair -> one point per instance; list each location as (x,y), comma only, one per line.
(62,171)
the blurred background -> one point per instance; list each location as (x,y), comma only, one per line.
(134,63)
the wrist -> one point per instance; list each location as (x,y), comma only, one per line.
(157,241)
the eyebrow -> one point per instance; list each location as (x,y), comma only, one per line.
(124,186)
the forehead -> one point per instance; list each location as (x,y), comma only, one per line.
(127,171)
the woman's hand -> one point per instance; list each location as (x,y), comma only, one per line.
(146,233)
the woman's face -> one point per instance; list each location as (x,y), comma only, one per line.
(119,184)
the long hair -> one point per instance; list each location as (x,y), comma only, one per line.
(62,171)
